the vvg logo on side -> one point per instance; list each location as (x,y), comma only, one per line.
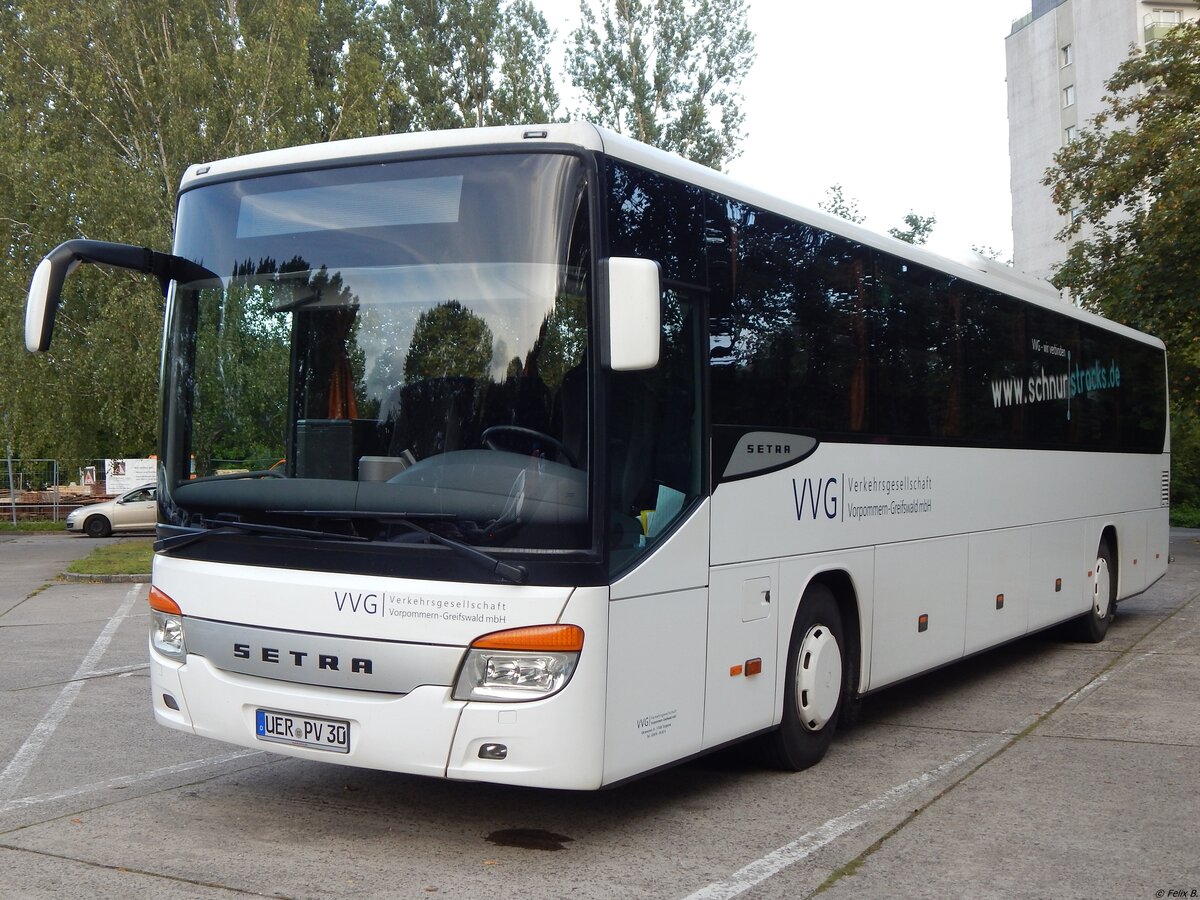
(816,498)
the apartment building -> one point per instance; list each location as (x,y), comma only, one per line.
(1059,56)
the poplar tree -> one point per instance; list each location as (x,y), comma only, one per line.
(467,63)
(665,72)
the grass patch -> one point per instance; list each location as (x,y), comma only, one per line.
(1185,516)
(124,558)
(32,525)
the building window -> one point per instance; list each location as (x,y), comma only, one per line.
(1068,96)
(1076,213)
(1069,134)
(1066,55)
(1166,17)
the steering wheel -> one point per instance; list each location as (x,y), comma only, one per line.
(530,435)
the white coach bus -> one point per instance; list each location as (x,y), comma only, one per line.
(558,459)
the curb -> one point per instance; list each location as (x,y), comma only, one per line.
(105,579)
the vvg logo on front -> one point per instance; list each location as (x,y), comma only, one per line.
(816,498)
(369,604)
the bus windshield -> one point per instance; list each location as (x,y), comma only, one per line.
(387,351)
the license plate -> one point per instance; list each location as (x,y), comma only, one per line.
(302,731)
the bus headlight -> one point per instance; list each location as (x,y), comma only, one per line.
(166,626)
(520,664)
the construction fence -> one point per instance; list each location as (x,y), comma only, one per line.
(49,489)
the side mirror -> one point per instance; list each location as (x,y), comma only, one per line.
(45,289)
(634,317)
(42,303)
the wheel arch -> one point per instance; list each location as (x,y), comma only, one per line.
(1108,536)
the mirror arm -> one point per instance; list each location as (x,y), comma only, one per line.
(45,289)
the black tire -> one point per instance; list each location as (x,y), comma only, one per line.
(1092,626)
(97,527)
(815,684)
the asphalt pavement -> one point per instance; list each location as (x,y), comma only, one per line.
(30,560)
(1044,769)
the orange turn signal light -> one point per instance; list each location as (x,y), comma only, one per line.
(163,603)
(552,638)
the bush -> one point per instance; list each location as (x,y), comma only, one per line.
(1185,516)
(1185,458)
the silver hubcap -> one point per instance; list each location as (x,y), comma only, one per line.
(818,677)
(1101,589)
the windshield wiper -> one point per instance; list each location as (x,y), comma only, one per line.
(232,526)
(515,574)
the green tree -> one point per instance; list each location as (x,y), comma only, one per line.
(467,63)
(836,203)
(449,341)
(563,338)
(103,103)
(987,251)
(1130,187)
(916,229)
(666,72)
(241,380)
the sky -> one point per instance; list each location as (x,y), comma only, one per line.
(902,102)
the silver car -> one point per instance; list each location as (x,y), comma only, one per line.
(135,510)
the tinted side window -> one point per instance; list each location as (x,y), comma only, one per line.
(1141,414)
(1118,393)
(655,418)
(792,349)
(993,352)
(655,437)
(916,319)
(813,332)
(1052,350)
(654,217)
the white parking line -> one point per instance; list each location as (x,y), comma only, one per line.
(124,781)
(14,773)
(776,861)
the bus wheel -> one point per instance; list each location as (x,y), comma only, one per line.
(815,685)
(1092,626)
